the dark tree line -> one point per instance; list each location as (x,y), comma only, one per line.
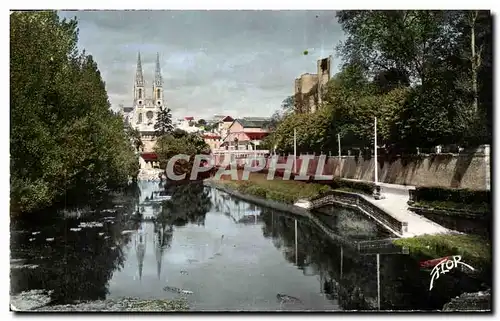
(65,142)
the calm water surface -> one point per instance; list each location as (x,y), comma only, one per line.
(220,254)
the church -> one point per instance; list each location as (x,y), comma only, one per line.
(142,116)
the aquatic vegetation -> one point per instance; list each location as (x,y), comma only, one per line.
(90,224)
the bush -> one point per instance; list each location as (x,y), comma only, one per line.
(456,195)
(364,187)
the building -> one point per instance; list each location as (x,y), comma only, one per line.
(223,125)
(187,124)
(246,133)
(213,140)
(143,113)
(309,88)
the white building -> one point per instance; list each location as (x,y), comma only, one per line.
(187,124)
(143,113)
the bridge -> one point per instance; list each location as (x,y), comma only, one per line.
(360,203)
(391,212)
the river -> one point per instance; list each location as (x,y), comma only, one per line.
(220,253)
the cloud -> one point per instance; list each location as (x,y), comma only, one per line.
(241,63)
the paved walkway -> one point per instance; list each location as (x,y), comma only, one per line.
(395,203)
(396,206)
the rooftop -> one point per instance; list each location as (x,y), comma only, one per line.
(253,122)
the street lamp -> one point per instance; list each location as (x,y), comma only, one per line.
(376,192)
(294,151)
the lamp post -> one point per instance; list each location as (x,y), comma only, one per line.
(376,192)
(375,148)
(294,151)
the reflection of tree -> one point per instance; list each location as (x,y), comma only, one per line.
(162,239)
(320,255)
(403,285)
(189,203)
(81,263)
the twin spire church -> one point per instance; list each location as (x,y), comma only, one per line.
(142,116)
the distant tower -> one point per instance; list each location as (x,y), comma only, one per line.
(139,93)
(324,67)
(158,84)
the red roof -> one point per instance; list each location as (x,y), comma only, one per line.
(189,118)
(256,136)
(149,156)
(227,119)
(211,136)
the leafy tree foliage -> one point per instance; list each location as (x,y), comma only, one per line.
(441,53)
(65,141)
(135,137)
(179,142)
(163,122)
(425,75)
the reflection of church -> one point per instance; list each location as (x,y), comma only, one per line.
(161,237)
(140,247)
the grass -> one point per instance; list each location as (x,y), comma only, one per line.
(286,191)
(475,250)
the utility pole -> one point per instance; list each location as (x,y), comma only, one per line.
(294,151)
(338,138)
(376,158)
(376,193)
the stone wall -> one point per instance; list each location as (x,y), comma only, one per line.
(465,170)
(444,170)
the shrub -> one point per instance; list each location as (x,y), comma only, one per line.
(364,187)
(457,195)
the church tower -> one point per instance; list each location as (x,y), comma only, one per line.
(139,93)
(158,84)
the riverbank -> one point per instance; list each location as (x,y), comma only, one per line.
(286,191)
(475,250)
(472,248)
(38,301)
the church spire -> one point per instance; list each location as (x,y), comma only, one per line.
(158,78)
(139,78)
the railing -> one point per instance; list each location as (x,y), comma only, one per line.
(240,151)
(359,202)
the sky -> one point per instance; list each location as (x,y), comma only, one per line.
(238,63)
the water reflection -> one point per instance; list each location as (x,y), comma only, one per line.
(80,261)
(165,241)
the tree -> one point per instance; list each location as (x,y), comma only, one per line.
(437,54)
(135,137)
(163,122)
(202,122)
(66,143)
(179,142)
(401,39)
